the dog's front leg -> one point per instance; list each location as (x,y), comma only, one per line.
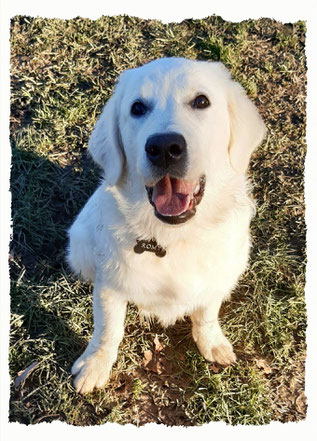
(211,342)
(93,367)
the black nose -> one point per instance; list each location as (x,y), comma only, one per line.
(167,151)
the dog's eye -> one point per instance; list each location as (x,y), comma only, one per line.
(200,102)
(138,108)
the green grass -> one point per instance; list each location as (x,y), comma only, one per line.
(62,73)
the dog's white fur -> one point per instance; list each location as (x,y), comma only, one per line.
(207,254)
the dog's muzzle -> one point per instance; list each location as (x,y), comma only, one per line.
(174,199)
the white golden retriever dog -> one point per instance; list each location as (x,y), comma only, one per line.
(168,228)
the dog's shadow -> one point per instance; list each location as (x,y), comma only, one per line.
(45,199)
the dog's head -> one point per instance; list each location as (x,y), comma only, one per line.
(172,127)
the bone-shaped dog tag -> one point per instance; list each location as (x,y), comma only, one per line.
(149,245)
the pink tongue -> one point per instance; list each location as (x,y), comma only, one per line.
(172,196)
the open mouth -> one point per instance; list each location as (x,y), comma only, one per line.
(175,200)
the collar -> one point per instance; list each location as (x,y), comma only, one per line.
(149,245)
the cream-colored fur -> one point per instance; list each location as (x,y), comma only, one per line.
(204,256)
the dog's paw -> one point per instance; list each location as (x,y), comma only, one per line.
(223,354)
(91,372)
(214,347)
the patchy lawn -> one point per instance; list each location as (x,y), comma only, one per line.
(62,73)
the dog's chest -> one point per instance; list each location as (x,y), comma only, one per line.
(185,276)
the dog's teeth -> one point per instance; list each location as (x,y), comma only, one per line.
(197,188)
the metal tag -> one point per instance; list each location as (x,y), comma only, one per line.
(149,245)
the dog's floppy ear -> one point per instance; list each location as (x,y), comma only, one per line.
(105,144)
(247,128)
